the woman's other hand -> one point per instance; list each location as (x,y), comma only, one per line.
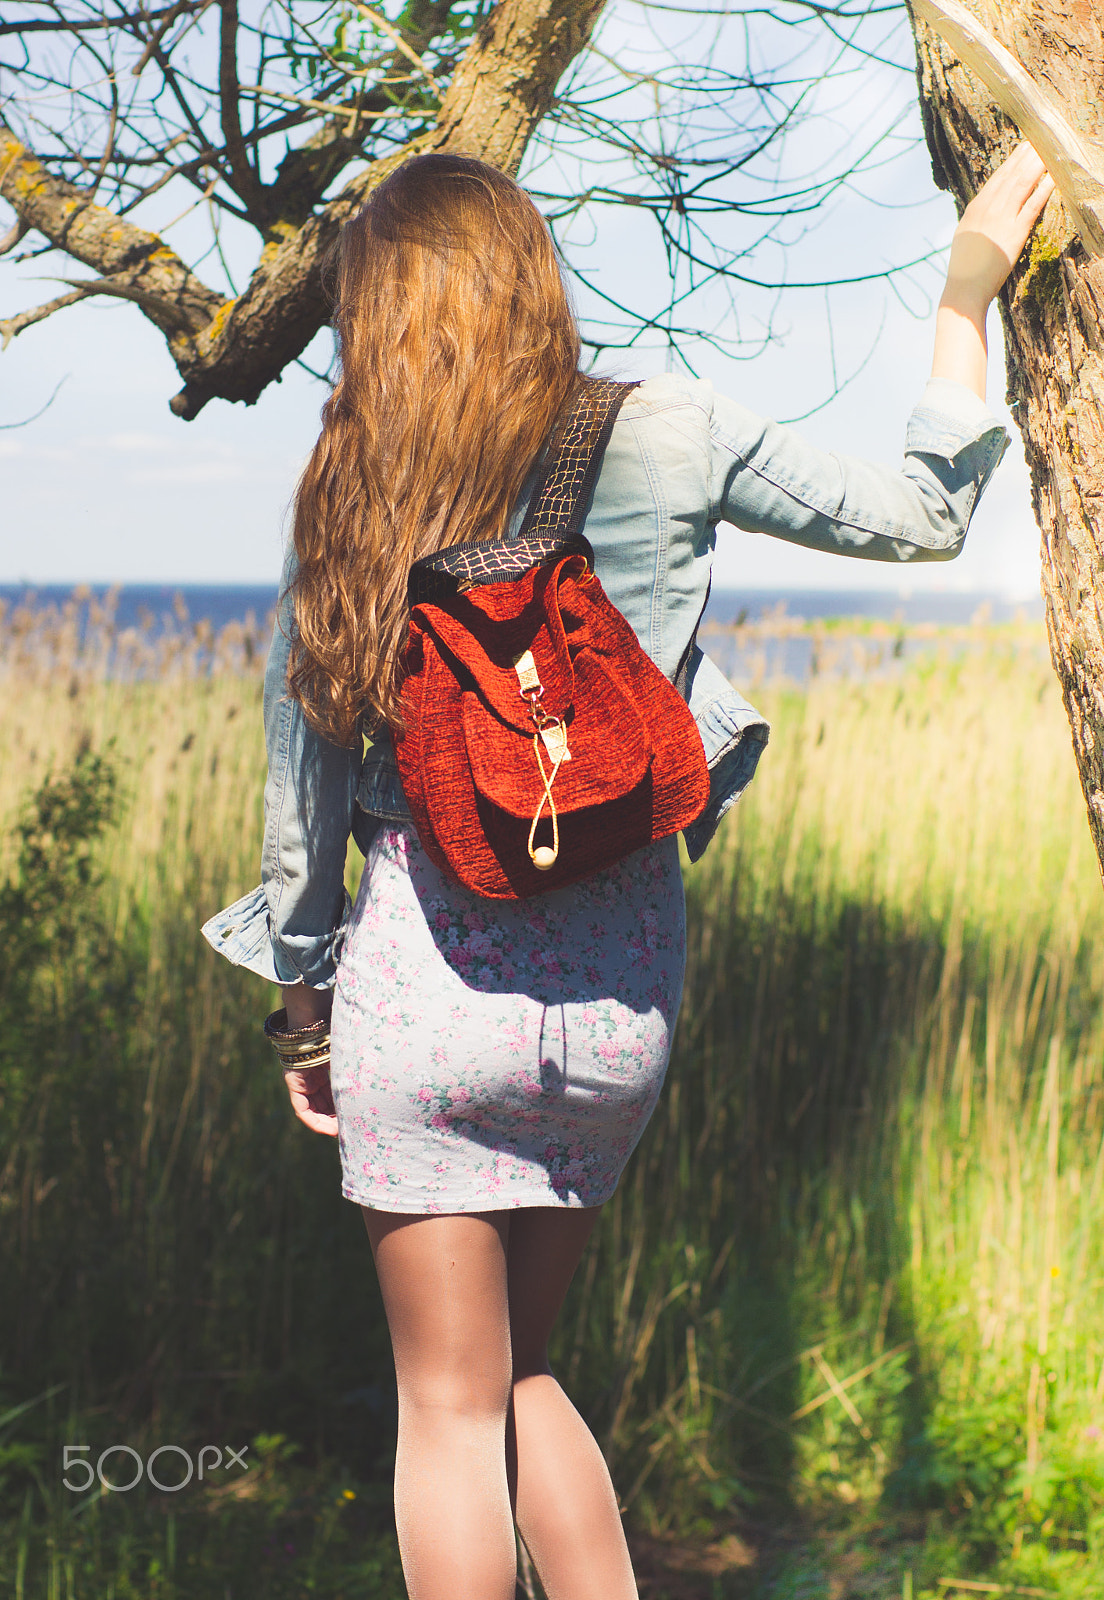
(990,235)
(312,1098)
(309,1088)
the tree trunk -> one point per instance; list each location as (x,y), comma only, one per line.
(1053,313)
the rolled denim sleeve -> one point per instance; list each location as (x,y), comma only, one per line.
(768,479)
(291,928)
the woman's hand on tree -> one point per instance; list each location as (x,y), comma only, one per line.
(991,233)
(996,225)
(309,1088)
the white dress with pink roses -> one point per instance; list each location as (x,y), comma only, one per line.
(493,1054)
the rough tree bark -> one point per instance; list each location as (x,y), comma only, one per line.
(233,348)
(1053,313)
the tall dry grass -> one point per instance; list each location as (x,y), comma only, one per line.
(857,1258)
(160,1251)
(861,1254)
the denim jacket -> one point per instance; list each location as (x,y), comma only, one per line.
(680,460)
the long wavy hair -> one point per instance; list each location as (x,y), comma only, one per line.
(457,348)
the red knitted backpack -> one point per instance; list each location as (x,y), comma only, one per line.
(540,743)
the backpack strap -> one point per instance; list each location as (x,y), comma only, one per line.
(560,501)
(550,530)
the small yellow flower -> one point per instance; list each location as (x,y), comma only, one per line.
(1055,1271)
(349,1494)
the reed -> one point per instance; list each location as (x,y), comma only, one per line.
(858,1259)
(854,1268)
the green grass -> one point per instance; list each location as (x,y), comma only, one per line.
(844,1319)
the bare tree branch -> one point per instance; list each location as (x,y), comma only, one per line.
(243,177)
(18,230)
(159,33)
(401,45)
(91,24)
(503,86)
(306,173)
(166,313)
(693,146)
(10,326)
(42,410)
(179,302)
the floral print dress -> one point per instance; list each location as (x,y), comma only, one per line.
(489,1054)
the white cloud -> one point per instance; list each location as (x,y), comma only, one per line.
(196,471)
(136,443)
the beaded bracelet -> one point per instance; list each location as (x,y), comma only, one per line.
(297,1049)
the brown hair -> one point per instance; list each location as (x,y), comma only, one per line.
(457,348)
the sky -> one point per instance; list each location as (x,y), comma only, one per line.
(108,486)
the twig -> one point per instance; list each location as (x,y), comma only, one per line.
(42,410)
(259,92)
(118,288)
(66,25)
(848,1405)
(206,195)
(109,142)
(400,43)
(10,326)
(841,1394)
(244,178)
(18,230)
(743,1405)
(323,377)
(173,85)
(156,37)
(846,1383)
(995,1588)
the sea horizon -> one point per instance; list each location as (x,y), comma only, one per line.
(160,607)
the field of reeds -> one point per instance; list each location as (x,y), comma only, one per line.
(841,1331)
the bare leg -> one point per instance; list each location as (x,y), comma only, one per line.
(445,1293)
(565,1504)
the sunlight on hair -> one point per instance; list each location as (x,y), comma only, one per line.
(458,346)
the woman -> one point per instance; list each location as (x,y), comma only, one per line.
(493,1064)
